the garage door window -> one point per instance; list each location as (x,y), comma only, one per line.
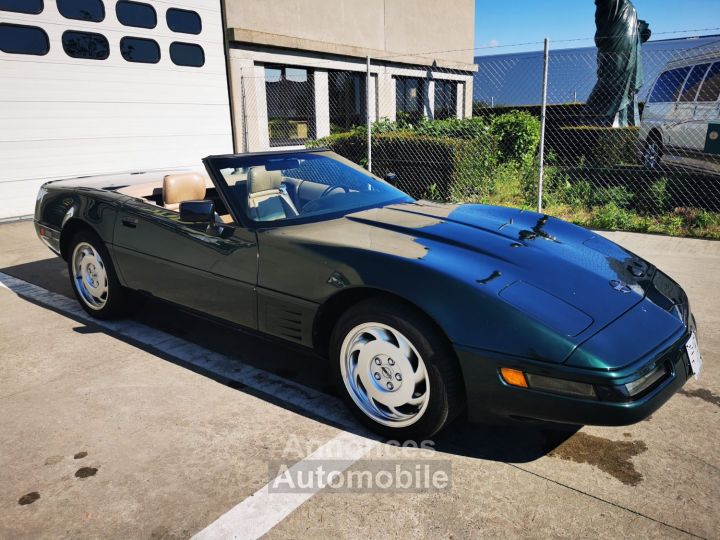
(184,21)
(22,6)
(136,14)
(82,10)
(187,54)
(85,45)
(20,39)
(141,50)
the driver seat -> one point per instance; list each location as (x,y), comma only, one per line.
(267,200)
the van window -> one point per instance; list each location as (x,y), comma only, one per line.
(693,82)
(668,85)
(710,90)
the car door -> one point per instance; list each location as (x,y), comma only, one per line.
(208,268)
(688,138)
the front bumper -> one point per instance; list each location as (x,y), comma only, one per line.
(490,398)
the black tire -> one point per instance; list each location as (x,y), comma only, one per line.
(116,301)
(446,388)
(653,151)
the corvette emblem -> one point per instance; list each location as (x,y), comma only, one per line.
(620,286)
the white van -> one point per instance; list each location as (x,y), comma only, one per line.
(681,120)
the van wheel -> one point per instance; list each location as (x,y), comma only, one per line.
(652,153)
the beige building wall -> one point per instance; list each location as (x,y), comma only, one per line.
(361,28)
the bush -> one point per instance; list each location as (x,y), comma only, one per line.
(611,216)
(596,146)
(470,128)
(517,134)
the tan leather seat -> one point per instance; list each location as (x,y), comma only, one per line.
(266,200)
(180,187)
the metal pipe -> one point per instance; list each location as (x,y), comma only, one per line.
(541,171)
(367,115)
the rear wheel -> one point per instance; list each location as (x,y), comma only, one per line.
(396,371)
(93,277)
(652,153)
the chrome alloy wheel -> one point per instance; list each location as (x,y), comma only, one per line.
(652,154)
(90,276)
(384,375)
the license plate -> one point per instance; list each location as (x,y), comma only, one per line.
(694,355)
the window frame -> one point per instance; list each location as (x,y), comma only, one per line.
(62,40)
(419,112)
(136,38)
(186,43)
(310,118)
(453,110)
(132,2)
(42,8)
(32,27)
(180,10)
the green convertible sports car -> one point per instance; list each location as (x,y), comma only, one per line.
(423,310)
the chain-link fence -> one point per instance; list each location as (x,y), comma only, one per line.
(613,157)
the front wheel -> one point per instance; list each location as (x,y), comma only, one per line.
(652,153)
(93,277)
(396,370)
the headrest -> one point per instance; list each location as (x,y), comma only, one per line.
(179,187)
(260,179)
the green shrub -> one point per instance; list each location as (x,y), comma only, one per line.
(468,128)
(517,134)
(619,195)
(656,199)
(611,216)
(596,146)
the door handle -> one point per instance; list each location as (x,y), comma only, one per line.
(130,222)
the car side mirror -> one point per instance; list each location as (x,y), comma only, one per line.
(390,178)
(197,211)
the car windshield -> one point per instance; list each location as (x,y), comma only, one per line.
(300,185)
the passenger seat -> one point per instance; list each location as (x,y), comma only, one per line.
(267,201)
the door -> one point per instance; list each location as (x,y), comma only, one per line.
(685,136)
(209,269)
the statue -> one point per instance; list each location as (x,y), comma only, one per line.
(618,37)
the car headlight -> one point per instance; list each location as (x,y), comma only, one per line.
(646,381)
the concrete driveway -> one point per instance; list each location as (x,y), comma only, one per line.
(166,426)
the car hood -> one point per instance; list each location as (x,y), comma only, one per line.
(572,279)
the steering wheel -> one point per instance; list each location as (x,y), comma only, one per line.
(315,203)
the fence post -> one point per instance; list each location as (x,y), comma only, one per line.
(368,117)
(541,172)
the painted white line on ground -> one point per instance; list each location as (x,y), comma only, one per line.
(264,509)
(256,515)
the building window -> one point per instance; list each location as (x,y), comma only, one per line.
(184,21)
(82,10)
(136,14)
(187,54)
(290,105)
(141,50)
(22,6)
(445,99)
(710,90)
(347,100)
(409,98)
(20,39)
(86,45)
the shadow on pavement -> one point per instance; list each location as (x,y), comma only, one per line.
(513,443)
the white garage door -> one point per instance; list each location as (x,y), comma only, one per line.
(82,90)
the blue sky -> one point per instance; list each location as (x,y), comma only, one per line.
(519,21)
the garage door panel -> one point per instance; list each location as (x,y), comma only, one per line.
(63,117)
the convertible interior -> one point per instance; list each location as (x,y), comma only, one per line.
(267,194)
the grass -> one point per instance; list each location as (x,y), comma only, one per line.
(689,222)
